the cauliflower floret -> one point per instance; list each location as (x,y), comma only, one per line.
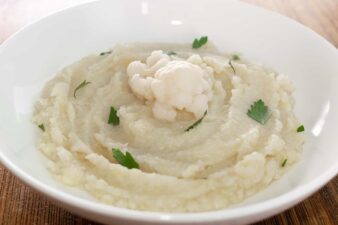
(141,86)
(136,67)
(170,85)
(156,60)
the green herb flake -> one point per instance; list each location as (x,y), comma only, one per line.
(200,42)
(235,57)
(300,129)
(42,127)
(232,67)
(259,112)
(105,53)
(284,162)
(171,53)
(197,122)
(83,84)
(125,160)
(113,118)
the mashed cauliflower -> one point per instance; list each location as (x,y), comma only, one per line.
(225,157)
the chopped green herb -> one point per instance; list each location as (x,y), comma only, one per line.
(259,112)
(232,67)
(284,162)
(171,53)
(83,84)
(200,42)
(105,53)
(113,118)
(126,160)
(300,128)
(235,57)
(197,122)
(42,127)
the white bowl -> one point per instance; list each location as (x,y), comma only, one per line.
(35,53)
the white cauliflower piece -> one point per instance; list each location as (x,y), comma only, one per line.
(171,85)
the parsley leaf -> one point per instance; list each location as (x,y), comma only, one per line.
(200,42)
(171,53)
(232,67)
(113,118)
(42,127)
(126,160)
(300,129)
(197,122)
(105,53)
(259,112)
(284,162)
(83,84)
(235,57)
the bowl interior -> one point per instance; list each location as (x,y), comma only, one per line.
(35,54)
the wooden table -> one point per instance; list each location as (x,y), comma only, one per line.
(19,205)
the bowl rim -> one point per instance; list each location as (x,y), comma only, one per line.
(283,201)
(275,204)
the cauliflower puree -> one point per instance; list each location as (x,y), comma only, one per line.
(225,157)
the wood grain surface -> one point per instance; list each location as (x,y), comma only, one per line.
(19,205)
